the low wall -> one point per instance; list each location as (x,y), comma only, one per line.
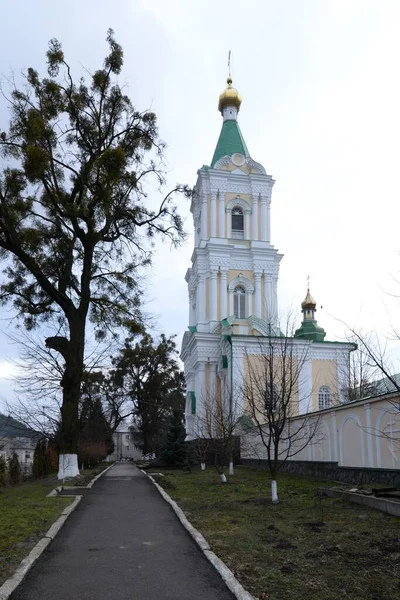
(333,472)
(362,435)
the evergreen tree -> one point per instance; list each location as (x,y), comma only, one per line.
(14,470)
(38,467)
(147,372)
(175,450)
(52,456)
(95,438)
(45,458)
(3,472)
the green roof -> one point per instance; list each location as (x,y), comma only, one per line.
(230,141)
(309,330)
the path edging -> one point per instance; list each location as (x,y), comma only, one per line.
(10,585)
(230,580)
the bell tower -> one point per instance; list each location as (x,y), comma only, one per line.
(233,279)
(234,273)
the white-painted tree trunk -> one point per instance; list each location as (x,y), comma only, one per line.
(68,466)
(231,468)
(274,492)
(203,466)
(223,478)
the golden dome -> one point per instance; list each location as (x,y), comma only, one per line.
(308,301)
(229,97)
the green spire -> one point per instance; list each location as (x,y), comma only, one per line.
(230,141)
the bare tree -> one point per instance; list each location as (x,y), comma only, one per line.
(360,374)
(39,395)
(217,428)
(272,394)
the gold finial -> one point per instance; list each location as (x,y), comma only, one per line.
(308,281)
(230,96)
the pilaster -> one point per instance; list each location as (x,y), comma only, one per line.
(254,231)
(223,295)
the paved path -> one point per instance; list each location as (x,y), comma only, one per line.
(123,542)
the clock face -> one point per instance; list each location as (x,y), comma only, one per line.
(238,159)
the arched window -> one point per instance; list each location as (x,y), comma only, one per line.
(239,302)
(324,397)
(237,223)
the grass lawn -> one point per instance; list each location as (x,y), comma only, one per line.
(26,514)
(302,548)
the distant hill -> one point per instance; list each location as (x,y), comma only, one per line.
(11,428)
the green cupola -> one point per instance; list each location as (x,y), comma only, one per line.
(309,329)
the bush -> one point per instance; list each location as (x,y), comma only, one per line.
(38,466)
(3,472)
(14,470)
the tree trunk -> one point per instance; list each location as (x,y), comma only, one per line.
(231,467)
(72,350)
(274,491)
(203,466)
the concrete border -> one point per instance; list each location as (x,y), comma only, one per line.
(230,580)
(383,504)
(10,585)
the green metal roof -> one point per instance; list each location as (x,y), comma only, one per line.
(309,330)
(230,141)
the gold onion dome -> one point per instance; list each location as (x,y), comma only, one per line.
(308,301)
(229,97)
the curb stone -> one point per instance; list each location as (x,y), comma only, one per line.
(230,580)
(10,585)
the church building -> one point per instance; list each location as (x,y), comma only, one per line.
(233,285)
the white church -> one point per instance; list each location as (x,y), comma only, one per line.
(233,285)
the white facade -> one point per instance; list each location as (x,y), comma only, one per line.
(233,280)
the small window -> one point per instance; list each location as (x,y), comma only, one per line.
(324,397)
(239,302)
(126,447)
(237,223)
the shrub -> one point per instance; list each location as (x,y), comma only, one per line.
(38,467)
(3,472)
(14,470)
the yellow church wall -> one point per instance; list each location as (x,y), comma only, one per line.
(323,372)
(365,434)
(253,371)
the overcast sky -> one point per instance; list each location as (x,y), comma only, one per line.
(321,98)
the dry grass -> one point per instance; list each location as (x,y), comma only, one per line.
(304,547)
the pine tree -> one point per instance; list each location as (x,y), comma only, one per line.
(37,467)
(52,456)
(45,458)
(95,438)
(175,451)
(14,470)
(3,472)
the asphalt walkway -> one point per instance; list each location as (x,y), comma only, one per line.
(123,542)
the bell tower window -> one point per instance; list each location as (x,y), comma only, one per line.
(239,302)
(237,223)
